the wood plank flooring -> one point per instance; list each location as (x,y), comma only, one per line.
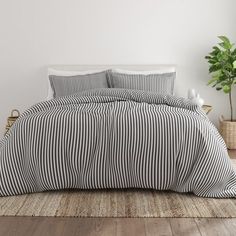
(52,226)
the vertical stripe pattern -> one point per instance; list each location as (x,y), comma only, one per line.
(67,85)
(159,83)
(115,138)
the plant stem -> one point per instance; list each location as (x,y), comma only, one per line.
(231,106)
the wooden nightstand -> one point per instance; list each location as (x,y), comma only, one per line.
(207,108)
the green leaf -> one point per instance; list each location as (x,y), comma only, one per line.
(212,80)
(226,88)
(218,88)
(224,83)
(227,73)
(228,66)
(212,61)
(216,48)
(219,56)
(226,43)
(214,85)
(224,39)
(214,68)
(217,73)
(234,64)
(214,53)
(234,52)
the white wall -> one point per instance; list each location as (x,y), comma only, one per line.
(35,33)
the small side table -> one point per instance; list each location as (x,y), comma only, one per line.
(207,108)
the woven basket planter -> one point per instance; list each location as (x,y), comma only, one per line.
(207,108)
(228,132)
(11,119)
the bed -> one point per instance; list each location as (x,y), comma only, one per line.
(115,138)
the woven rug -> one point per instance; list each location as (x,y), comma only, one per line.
(116,203)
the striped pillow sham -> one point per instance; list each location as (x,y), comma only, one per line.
(161,83)
(67,85)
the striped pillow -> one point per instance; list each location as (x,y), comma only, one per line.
(160,83)
(67,85)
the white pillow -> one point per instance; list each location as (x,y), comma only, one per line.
(145,72)
(52,71)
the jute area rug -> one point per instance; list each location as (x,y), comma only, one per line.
(116,203)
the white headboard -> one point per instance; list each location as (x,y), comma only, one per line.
(166,68)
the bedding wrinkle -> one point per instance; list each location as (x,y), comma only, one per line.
(115,138)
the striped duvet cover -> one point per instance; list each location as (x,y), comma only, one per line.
(115,138)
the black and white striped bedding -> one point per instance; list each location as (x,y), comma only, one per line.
(110,138)
(67,85)
(161,83)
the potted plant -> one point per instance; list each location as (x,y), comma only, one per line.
(222,68)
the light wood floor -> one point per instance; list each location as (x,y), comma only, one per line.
(45,226)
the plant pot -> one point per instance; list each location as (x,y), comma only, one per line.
(228,132)
(11,119)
